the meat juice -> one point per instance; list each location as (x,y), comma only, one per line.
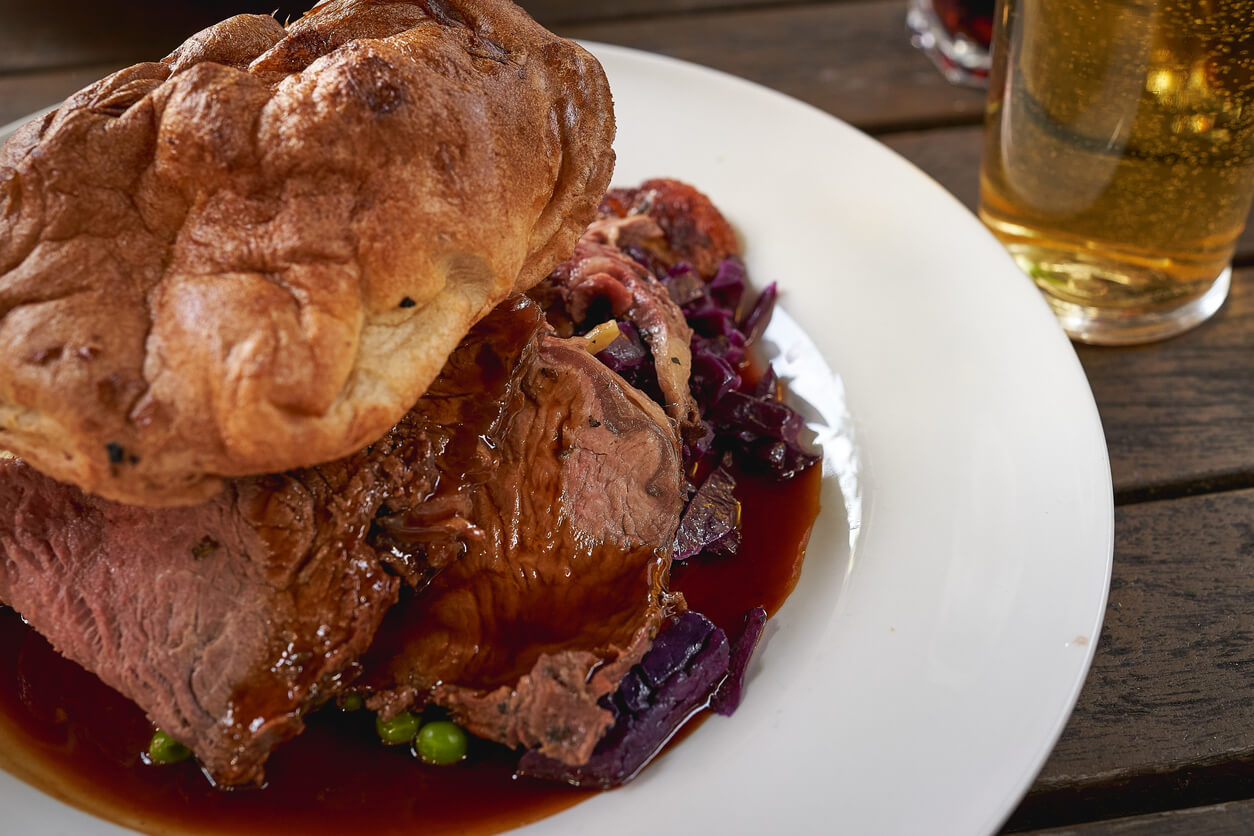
(64,731)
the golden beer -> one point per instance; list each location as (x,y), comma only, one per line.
(1119,156)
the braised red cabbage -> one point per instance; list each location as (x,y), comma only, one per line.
(729,284)
(683,283)
(764,433)
(755,323)
(627,351)
(674,680)
(711,522)
(727,698)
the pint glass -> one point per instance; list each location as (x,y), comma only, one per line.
(1119,156)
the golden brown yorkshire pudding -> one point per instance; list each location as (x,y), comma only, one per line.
(256,254)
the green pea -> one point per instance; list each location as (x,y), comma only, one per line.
(441,743)
(350,702)
(400,729)
(165,749)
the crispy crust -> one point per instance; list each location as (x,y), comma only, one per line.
(256,254)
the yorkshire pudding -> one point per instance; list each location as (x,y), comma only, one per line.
(256,254)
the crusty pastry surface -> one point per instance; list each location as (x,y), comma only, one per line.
(257,253)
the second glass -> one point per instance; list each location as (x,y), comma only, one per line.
(955,34)
(1119,156)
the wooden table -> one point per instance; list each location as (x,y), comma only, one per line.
(1162,740)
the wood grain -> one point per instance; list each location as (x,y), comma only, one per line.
(574,11)
(1235,819)
(55,34)
(1179,416)
(1166,717)
(59,34)
(851,59)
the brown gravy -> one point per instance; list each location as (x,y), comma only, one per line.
(65,731)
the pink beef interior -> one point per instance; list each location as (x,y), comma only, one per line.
(224,621)
(526,505)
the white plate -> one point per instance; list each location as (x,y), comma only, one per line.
(949,607)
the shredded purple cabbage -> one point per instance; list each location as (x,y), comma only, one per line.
(674,680)
(729,284)
(711,522)
(683,284)
(727,698)
(743,414)
(767,385)
(712,377)
(764,433)
(755,323)
(675,648)
(627,351)
(630,357)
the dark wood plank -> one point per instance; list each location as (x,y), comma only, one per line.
(1234,819)
(1181,412)
(852,59)
(61,33)
(1166,717)
(576,11)
(56,34)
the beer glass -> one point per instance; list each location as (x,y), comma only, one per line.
(1118,159)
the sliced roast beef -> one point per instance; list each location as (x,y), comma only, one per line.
(566,502)
(520,505)
(226,621)
(600,281)
(661,229)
